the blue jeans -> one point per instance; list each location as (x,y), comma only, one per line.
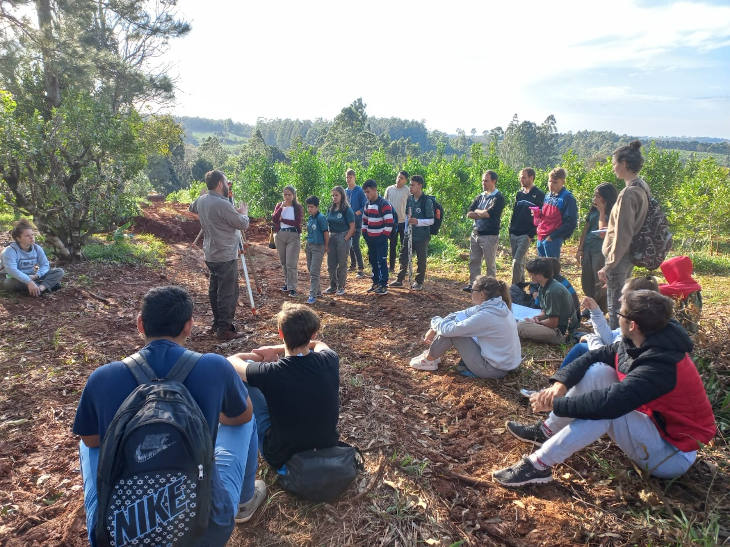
(260,412)
(378,257)
(576,351)
(236,461)
(549,248)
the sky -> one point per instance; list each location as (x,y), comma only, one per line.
(637,67)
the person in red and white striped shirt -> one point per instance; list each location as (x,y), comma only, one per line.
(377,224)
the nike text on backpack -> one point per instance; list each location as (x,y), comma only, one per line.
(438,216)
(155,462)
(651,244)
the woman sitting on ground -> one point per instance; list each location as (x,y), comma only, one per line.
(20,260)
(485,335)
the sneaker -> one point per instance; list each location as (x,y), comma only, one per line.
(246,510)
(417,286)
(311,300)
(521,473)
(284,289)
(528,433)
(395,284)
(373,288)
(381,290)
(462,369)
(360,274)
(330,290)
(421,363)
(467,288)
(293,293)
(319,294)
(340,292)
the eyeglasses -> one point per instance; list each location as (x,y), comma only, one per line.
(624,316)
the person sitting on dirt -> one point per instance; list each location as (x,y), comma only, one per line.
(165,322)
(294,388)
(221,223)
(485,335)
(644,391)
(558,317)
(26,266)
(684,290)
(555,263)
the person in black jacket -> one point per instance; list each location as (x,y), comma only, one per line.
(521,227)
(486,212)
(644,391)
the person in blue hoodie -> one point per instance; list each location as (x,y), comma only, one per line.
(26,266)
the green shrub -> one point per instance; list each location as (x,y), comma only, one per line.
(187,195)
(143,249)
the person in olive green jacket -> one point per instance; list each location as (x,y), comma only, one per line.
(419,211)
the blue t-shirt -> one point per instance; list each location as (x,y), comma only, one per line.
(356,197)
(316,227)
(213,383)
(339,221)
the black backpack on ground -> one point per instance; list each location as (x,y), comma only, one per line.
(438,216)
(653,242)
(321,474)
(155,462)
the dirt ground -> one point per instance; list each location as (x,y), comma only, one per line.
(431,440)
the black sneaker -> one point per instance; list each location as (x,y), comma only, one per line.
(284,289)
(373,288)
(395,284)
(521,473)
(381,290)
(528,433)
(467,288)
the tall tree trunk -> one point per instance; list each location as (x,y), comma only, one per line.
(45,23)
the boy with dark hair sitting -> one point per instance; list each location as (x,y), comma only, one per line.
(294,388)
(558,317)
(644,391)
(165,322)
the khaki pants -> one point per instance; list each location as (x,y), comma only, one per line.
(314,252)
(540,333)
(51,279)
(470,353)
(482,247)
(288,246)
(337,254)
(519,246)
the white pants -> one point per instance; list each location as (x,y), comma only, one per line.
(634,433)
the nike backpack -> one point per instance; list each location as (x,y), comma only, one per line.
(651,244)
(155,463)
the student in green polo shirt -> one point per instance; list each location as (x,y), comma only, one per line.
(558,317)
(318,237)
(341,221)
(419,210)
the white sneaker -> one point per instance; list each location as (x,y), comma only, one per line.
(421,363)
(246,510)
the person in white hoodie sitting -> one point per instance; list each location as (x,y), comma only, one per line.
(485,335)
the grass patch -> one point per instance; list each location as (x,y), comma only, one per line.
(144,249)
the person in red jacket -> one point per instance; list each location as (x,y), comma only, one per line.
(644,391)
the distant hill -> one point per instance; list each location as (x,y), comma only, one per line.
(282,133)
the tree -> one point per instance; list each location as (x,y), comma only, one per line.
(351,133)
(71,134)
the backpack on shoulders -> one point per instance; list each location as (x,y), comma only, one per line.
(155,462)
(651,244)
(438,216)
(321,474)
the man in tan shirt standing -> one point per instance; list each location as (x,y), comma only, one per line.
(221,223)
(627,217)
(397,195)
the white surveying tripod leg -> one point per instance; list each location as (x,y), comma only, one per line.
(409,234)
(248,281)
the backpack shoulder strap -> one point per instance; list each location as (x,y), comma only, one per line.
(140,369)
(183,366)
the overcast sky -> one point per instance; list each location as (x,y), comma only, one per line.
(651,67)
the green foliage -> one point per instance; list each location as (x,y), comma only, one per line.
(143,249)
(379,170)
(187,195)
